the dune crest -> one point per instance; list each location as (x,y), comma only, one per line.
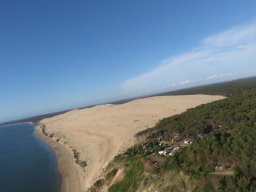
(101,132)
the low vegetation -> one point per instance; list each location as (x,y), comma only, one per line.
(133,176)
(76,154)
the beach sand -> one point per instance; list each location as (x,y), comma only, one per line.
(101,132)
(70,177)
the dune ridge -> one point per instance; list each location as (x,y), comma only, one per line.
(101,132)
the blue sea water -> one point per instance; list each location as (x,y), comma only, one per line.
(26,163)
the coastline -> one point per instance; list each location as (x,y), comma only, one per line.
(25,122)
(71,178)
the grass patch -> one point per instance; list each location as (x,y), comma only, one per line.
(133,175)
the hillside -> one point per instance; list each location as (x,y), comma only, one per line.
(207,148)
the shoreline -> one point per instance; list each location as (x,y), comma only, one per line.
(25,122)
(71,178)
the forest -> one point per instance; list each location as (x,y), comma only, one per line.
(228,88)
(222,156)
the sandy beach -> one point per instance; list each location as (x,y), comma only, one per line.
(70,177)
(101,132)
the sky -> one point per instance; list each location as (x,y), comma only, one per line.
(57,55)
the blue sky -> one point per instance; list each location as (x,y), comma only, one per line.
(56,55)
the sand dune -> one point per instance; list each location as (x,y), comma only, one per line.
(101,132)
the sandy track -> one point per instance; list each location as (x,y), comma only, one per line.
(101,132)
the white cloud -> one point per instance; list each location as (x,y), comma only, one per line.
(217,56)
(184,82)
(233,36)
(212,76)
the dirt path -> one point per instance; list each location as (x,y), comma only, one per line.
(225,173)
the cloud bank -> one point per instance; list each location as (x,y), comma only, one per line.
(223,56)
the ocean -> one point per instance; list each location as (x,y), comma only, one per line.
(26,163)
